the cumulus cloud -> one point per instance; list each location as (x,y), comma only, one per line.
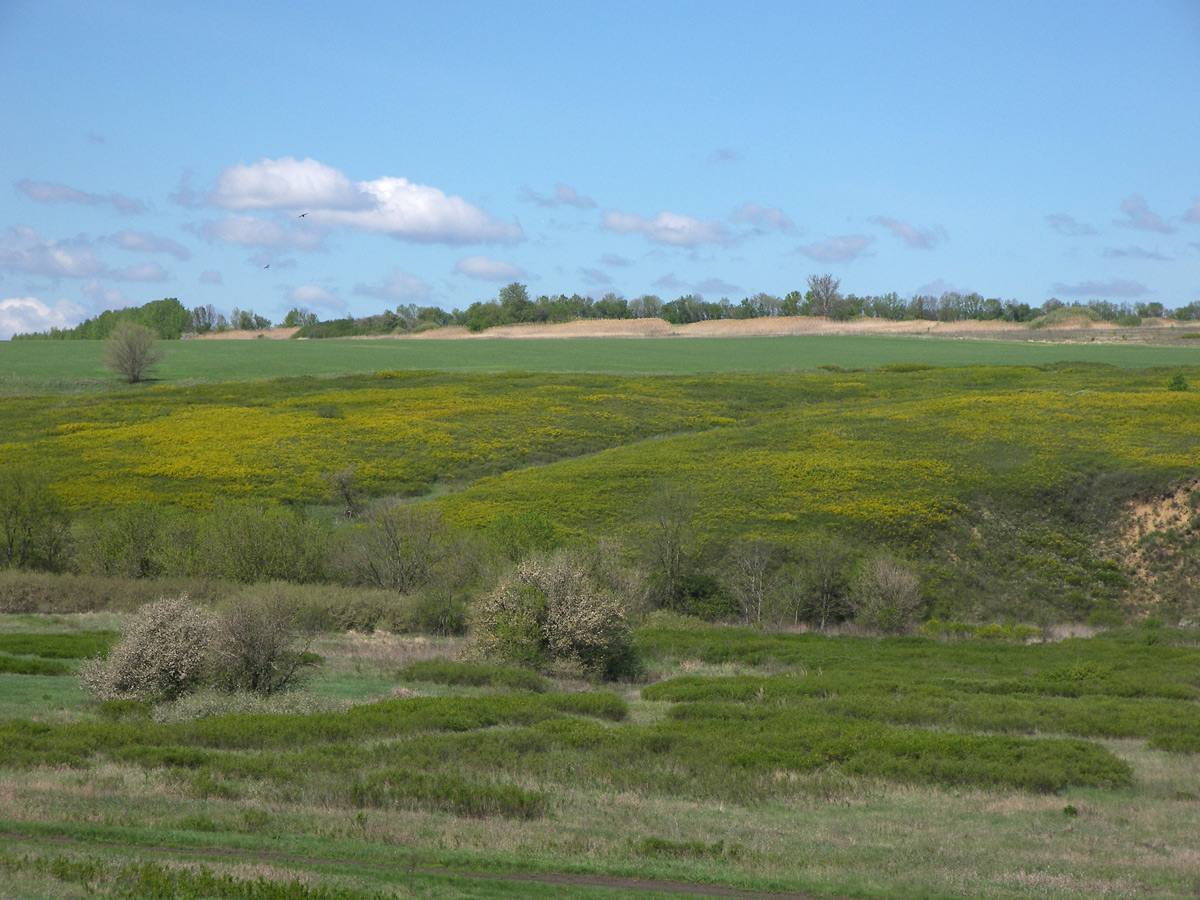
(1067,225)
(28,315)
(387,205)
(763,218)
(918,239)
(143,242)
(837,249)
(1138,215)
(49,192)
(399,285)
(1134,253)
(564,195)
(667,228)
(22,250)
(1114,288)
(488,269)
(252,231)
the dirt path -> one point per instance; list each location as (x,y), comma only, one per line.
(599,881)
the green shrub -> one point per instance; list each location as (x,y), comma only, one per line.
(259,643)
(1177,383)
(887,596)
(162,655)
(444,671)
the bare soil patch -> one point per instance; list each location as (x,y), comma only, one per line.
(1079,330)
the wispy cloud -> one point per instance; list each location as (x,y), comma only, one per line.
(146,272)
(312,295)
(837,249)
(252,231)
(725,155)
(485,269)
(1114,288)
(596,277)
(612,259)
(1134,253)
(398,286)
(920,239)
(667,228)
(104,297)
(49,192)
(763,218)
(717,286)
(389,205)
(29,315)
(144,242)
(211,276)
(564,195)
(1138,215)
(1068,226)
(1193,214)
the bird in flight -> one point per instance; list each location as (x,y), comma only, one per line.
(267,266)
(301,216)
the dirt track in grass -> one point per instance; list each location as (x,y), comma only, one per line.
(650,885)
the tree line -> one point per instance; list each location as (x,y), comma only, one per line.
(514,305)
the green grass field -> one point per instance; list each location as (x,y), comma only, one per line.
(1070,764)
(36,366)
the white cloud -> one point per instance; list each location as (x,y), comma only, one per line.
(49,192)
(488,269)
(667,228)
(285,184)
(387,205)
(399,285)
(837,249)
(1113,288)
(251,231)
(310,294)
(29,315)
(21,250)
(917,239)
(144,242)
(1138,215)
(769,218)
(1067,225)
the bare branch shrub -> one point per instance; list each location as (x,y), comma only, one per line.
(819,589)
(130,351)
(260,642)
(163,654)
(887,596)
(752,578)
(399,547)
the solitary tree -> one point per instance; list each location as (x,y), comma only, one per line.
(130,351)
(826,300)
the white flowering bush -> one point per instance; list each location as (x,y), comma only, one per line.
(163,654)
(552,612)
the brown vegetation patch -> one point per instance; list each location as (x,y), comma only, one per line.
(1151,539)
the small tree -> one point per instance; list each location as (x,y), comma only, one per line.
(34,526)
(669,530)
(819,591)
(163,654)
(399,547)
(752,579)
(826,301)
(130,350)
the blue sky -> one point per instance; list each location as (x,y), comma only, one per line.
(440,151)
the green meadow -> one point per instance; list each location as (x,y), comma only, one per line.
(1035,734)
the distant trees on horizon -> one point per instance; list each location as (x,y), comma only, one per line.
(513,306)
